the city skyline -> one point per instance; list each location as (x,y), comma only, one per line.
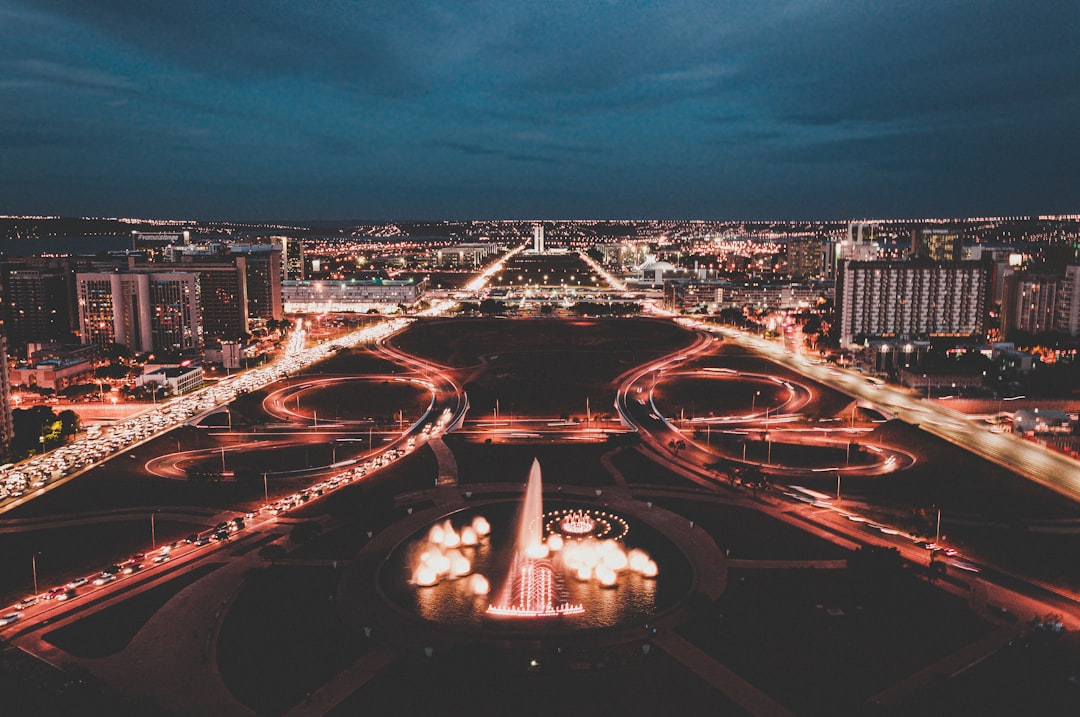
(725,111)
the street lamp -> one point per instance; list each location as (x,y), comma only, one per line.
(753,402)
(33,564)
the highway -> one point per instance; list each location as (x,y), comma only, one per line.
(40,474)
(1055,471)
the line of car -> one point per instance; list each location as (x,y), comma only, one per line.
(15,481)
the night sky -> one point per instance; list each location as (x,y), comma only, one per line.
(547,109)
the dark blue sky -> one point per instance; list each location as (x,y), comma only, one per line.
(560,109)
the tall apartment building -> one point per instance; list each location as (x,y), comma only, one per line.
(7,428)
(145,311)
(223,297)
(912,299)
(538,238)
(1067,316)
(292,257)
(937,245)
(809,259)
(37,298)
(1038,302)
(1029,302)
(263,280)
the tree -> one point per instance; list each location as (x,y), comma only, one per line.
(70,422)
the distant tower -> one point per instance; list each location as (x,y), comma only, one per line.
(538,238)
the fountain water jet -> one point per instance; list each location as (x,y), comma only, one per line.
(532,588)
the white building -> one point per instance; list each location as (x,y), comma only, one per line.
(178,379)
(911,299)
(353,295)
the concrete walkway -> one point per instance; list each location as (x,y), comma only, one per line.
(448,471)
(950,665)
(344,684)
(719,676)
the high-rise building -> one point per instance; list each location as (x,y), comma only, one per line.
(937,244)
(292,257)
(223,297)
(809,258)
(37,297)
(1029,302)
(912,299)
(1068,309)
(7,428)
(538,238)
(145,311)
(263,280)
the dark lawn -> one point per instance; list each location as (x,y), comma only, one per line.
(576,464)
(750,535)
(282,638)
(480,680)
(774,629)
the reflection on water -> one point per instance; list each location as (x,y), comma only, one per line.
(454,600)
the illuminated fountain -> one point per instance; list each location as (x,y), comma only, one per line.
(533,588)
(570,562)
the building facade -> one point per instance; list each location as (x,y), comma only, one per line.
(292,257)
(145,311)
(937,245)
(713,295)
(37,299)
(352,295)
(223,296)
(263,282)
(809,259)
(1029,302)
(7,428)
(912,299)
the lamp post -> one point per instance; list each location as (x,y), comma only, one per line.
(266,490)
(768,443)
(753,402)
(33,564)
(153,534)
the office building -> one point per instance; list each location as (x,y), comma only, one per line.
(685,294)
(1029,302)
(7,428)
(292,257)
(223,299)
(353,295)
(1067,314)
(809,259)
(37,297)
(912,299)
(937,245)
(538,238)
(263,281)
(145,311)
(464,256)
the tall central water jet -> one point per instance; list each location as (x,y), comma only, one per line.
(532,587)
